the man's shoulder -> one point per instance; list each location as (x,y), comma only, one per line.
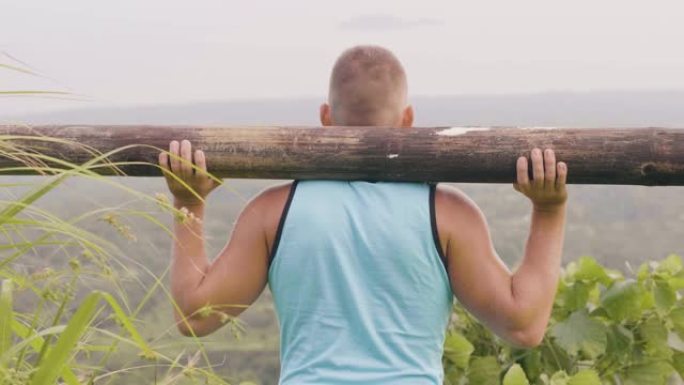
(454,207)
(267,207)
(273,197)
(449,197)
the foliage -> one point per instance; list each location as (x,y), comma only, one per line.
(65,314)
(605,328)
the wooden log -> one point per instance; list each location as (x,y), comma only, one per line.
(639,156)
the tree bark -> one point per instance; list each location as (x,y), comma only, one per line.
(639,156)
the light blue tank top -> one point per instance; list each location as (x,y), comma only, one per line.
(359,284)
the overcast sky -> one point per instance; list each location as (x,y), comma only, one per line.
(168,51)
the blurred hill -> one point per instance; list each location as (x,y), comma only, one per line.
(587,109)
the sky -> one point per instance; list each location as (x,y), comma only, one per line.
(133,52)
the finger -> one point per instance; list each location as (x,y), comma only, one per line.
(549,169)
(201,163)
(186,154)
(562,175)
(200,160)
(164,161)
(523,176)
(173,155)
(537,168)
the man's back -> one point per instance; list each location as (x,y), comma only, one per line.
(361,291)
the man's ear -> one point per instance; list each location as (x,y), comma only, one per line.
(326,119)
(407,117)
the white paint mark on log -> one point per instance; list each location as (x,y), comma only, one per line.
(392,156)
(455,131)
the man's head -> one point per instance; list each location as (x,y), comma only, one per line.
(367,88)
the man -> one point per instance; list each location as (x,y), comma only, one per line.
(362,273)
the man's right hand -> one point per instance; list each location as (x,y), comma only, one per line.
(177,166)
(547,189)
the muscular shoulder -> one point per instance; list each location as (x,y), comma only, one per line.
(449,200)
(269,205)
(274,195)
(456,215)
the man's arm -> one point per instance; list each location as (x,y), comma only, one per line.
(239,273)
(516,306)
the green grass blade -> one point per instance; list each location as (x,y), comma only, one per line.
(36,343)
(6,316)
(29,341)
(16,68)
(128,326)
(55,361)
(61,353)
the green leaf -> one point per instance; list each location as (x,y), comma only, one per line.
(670,265)
(585,377)
(453,375)
(643,273)
(677,318)
(654,334)
(594,295)
(559,378)
(665,296)
(484,371)
(620,342)
(647,300)
(515,376)
(653,373)
(6,316)
(677,282)
(590,270)
(678,363)
(622,300)
(675,342)
(579,332)
(575,296)
(555,357)
(458,349)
